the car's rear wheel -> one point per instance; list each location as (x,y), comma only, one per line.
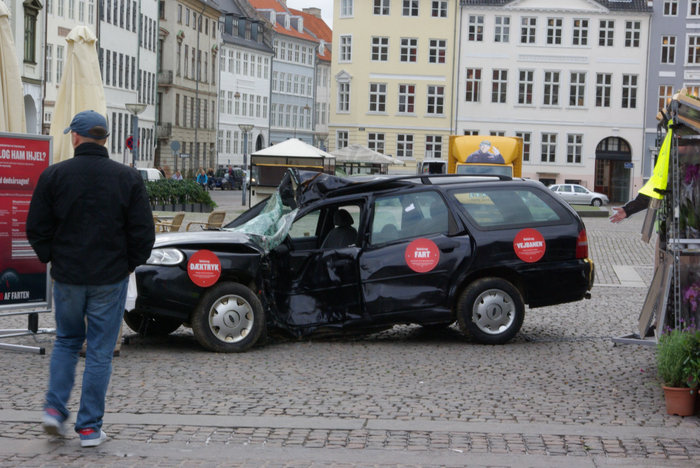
(491,310)
(228,319)
(150,326)
(597,202)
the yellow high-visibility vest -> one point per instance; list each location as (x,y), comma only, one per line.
(659,178)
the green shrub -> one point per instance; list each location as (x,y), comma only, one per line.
(169,191)
(677,357)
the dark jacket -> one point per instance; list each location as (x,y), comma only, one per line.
(637,204)
(90,217)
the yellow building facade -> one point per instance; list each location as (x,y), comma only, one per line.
(393,76)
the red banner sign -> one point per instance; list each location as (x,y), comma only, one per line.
(23,278)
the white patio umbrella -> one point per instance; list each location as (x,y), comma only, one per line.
(362,154)
(81,89)
(11,92)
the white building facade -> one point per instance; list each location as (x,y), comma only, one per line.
(567,77)
(127,36)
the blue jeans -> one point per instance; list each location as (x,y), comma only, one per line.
(103,307)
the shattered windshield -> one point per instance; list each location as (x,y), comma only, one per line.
(270,227)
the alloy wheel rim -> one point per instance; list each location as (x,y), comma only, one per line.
(494,311)
(231,318)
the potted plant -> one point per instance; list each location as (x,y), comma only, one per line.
(678,365)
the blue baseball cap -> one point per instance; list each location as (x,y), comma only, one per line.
(89,124)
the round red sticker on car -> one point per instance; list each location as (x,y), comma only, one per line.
(204,268)
(529,245)
(422,255)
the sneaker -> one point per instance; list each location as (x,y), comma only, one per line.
(91,438)
(53,422)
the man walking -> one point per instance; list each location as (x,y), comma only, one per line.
(90,217)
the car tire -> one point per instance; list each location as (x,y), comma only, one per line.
(150,326)
(490,310)
(228,319)
(596,202)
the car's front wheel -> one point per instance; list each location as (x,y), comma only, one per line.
(597,202)
(491,310)
(150,326)
(228,319)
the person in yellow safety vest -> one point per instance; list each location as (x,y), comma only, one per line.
(653,188)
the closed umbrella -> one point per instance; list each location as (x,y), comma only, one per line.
(11,93)
(81,89)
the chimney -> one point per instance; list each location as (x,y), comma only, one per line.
(313,11)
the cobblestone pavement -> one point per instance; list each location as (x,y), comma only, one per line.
(561,393)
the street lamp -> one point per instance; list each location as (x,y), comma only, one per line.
(245,128)
(136,109)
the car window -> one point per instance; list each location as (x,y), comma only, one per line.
(409,215)
(309,224)
(305,226)
(579,189)
(497,208)
(565,188)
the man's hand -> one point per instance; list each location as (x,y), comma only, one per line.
(618,214)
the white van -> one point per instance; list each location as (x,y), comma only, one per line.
(150,174)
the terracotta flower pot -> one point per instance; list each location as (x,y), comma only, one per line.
(680,401)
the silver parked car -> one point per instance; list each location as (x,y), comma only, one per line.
(579,195)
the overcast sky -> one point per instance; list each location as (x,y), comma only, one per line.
(326,7)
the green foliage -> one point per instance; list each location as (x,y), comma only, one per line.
(169,191)
(678,357)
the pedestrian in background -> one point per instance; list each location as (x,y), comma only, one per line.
(94,235)
(202,178)
(177,176)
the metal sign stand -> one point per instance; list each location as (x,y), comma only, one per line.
(32,329)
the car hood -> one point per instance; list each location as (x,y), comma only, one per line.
(204,237)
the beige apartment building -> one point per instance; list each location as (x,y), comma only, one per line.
(392,77)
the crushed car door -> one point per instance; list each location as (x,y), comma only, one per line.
(315,271)
(411,257)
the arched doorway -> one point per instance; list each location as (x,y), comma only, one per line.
(259,142)
(30,114)
(613,162)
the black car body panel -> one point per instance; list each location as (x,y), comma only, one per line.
(370,283)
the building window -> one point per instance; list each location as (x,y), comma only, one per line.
(345,49)
(574,148)
(694,8)
(381,7)
(30,15)
(436,100)
(528,28)
(407,98)
(668,49)
(49,62)
(410,8)
(375,141)
(551,88)
(527,140)
(473,84)
(629,91)
(606,34)
(341,139)
(549,147)
(693,49)
(59,63)
(665,95)
(499,86)
(433,146)
(670,7)
(439,9)
(554,26)
(525,84)
(502,31)
(577,89)
(475,31)
(409,49)
(580,32)
(380,49)
(377,97)
(404,145)
(632,33)
(603,88)
(437,51)
(346,8)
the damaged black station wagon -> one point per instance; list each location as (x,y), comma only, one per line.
(330,254)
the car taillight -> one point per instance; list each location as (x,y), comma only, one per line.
(582,245)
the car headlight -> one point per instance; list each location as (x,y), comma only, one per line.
(165,257)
